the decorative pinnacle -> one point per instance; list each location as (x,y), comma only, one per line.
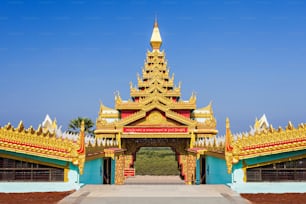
(82,125)
(155,22)
(156,40)
(227,123)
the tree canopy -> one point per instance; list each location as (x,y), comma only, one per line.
(75,125)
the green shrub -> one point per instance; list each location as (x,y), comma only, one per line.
(156,161)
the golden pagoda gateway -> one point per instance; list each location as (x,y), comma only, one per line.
(155,116)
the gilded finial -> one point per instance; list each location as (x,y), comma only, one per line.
(82,125)
(54,124)
(290,126)
(31,130)
(228,136)
(156,40)
(20,126)
(117,96)
(155,22)
(271,129)
(227,123)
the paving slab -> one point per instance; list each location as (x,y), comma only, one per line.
(154,180)
(154,194)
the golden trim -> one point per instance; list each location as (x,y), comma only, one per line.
(192,140)
(119,140)
(109,136)
(156,135)
(66,172)
(106,131)
(275,150)
(93,157)
(244,169)
(276,161)
(206,131)
(219,155)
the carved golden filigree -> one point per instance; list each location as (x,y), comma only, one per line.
(183,166)
(191,165)
(266,142)
(120,164)
(95,148)
(43,144)
(210,123)
(128,161)
(156,117)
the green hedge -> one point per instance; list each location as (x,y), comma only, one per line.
(156,161)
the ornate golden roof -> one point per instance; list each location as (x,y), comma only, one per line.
(268,141)
(43,144)
(155,77)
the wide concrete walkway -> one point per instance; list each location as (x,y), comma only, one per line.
(154,194)
(154,180)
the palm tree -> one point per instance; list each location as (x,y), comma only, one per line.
(75,126)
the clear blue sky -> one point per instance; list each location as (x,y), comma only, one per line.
(63,57)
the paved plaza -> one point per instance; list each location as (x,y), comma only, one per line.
(167,190)
(154,180)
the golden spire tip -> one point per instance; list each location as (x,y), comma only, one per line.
(155,22)
(156,40)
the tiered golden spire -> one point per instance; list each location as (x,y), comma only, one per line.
(155,73)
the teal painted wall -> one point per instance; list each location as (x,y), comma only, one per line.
(274,157)
(216,171)
(265,187)
(113,169)
(93,171)
(238,173)
(37,158)
(198,172)
(22,187)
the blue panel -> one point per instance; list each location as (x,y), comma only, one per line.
(216,171)
(272,157)
(92,172)
(238,173)
(113,171)
(37,158)
(198,172)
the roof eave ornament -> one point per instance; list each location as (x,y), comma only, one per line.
(228,147)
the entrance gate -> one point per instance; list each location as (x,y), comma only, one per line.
(178,146)
(155,116)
